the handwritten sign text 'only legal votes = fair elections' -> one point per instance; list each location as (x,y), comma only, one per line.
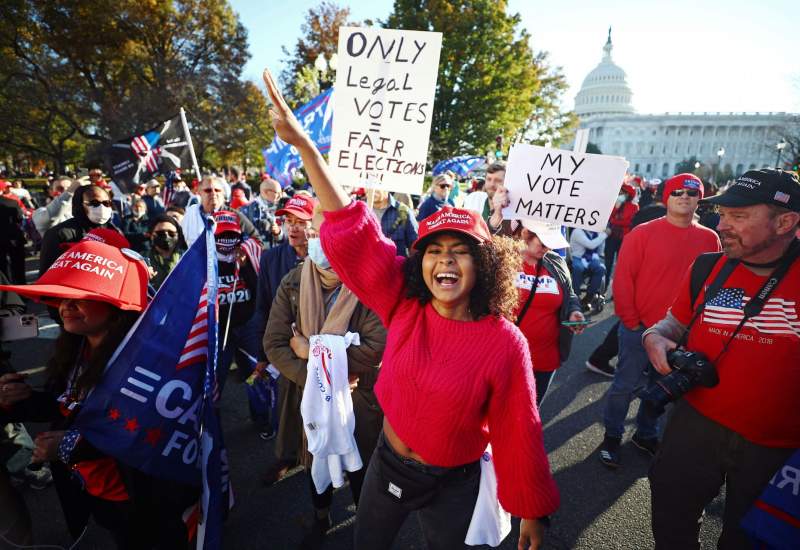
(383,104)
(572,189)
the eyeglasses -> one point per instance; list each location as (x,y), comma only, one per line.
(94,203)
(166,233)
(681,192)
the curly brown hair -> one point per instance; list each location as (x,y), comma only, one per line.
(496,264)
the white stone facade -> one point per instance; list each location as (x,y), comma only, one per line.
(655,144)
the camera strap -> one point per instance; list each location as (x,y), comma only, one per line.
(755,304)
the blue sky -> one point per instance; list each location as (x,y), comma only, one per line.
(701,55)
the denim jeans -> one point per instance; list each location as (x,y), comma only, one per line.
(596,270)
(632,375)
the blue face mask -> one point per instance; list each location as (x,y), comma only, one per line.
(317,255)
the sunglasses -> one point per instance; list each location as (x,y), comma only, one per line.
(443,186)
(681,192)
(94,203)
(167,233)
(211,191)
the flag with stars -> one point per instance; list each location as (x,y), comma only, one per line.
(778,316)
(147,409)
(136,159)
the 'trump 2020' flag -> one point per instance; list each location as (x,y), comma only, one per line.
(136,159)
(153,408)
(282,159)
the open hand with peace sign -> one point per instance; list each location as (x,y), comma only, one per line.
(286,125)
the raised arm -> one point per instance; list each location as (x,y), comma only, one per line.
(331,195)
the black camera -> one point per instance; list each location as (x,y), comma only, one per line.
(689,369)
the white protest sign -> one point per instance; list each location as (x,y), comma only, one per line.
(385,85)
(563,187)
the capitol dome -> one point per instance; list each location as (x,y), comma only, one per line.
(605,89)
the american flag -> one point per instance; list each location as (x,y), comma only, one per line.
(778,316)
(141,146)
(169,187)
(252,248)
(195,350)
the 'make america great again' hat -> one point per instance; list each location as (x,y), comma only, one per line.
(765,186)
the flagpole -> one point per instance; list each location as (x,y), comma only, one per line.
(191,146)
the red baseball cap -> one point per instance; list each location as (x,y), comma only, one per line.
(629,190)
(102,235)
(300,206)
(92,270)
(681,181)
(226,221)
(458,220)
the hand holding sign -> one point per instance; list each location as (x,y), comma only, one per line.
(286,125)
(563,187)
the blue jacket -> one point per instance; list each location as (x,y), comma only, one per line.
(431,205)
(402,231)
(275,263)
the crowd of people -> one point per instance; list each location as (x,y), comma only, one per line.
(446,298)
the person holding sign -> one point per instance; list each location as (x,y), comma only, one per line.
(549,312)
(456,373)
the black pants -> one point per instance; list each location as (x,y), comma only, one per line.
(444,498)
(609,349)
(612,246)
(12,260)
(324,500)
(695,458)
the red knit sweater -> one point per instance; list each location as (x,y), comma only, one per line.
(447,387)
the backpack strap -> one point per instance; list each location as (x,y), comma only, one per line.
(701,269)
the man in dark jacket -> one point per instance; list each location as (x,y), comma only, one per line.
(274,265)
(12,239)
(440,191)
(397,220)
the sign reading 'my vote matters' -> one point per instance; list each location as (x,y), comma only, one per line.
(572,189)
(383,104)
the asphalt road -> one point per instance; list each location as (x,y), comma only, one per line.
(600,508)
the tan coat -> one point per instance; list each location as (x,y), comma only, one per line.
(363,360)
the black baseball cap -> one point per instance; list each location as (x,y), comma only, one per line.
(765,186)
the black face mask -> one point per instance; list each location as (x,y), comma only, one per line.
(165,242)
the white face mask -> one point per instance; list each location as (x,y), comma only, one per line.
(316,254)
(99,214)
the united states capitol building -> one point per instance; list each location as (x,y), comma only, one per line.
(655,143)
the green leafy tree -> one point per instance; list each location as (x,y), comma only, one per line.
(302,79)
(686,166)
(105,69)
(490,82)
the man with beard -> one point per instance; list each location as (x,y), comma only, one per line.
(741,431)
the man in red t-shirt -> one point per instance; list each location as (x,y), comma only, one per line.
(654,256)
(742,430)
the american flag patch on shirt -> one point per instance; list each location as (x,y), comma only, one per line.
(778,316)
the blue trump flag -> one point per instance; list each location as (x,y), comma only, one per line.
(774,520)
(460,165)
(153,408)
(282,159)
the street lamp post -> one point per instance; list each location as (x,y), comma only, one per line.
(780,146)
(720,154)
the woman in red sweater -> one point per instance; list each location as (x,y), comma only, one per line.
(620,224)
(456,373)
